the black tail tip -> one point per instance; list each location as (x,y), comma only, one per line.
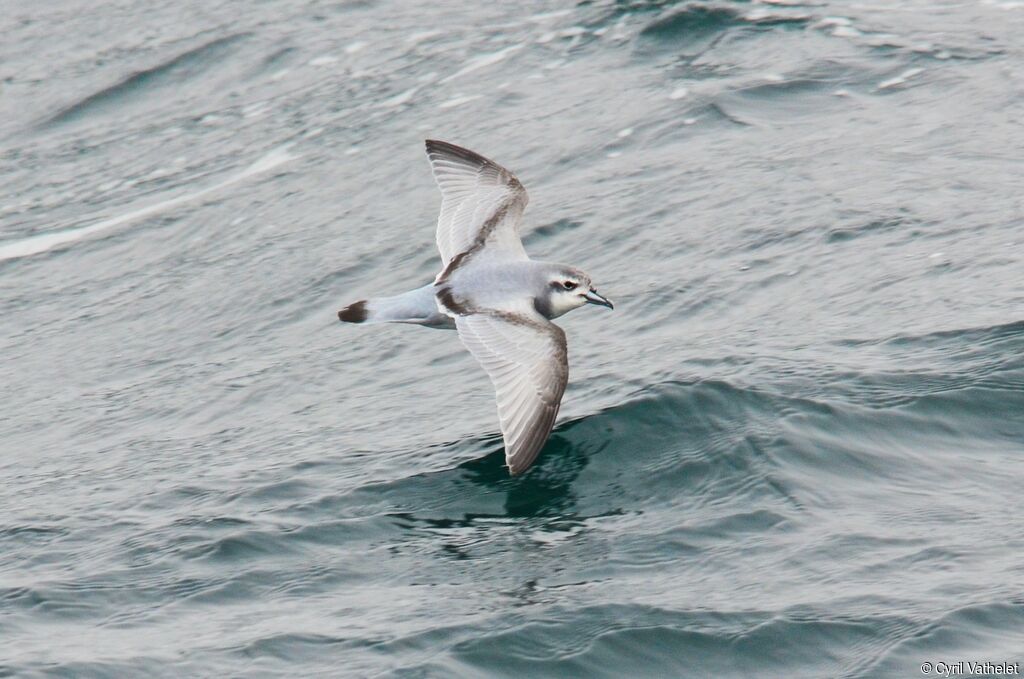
(353,313)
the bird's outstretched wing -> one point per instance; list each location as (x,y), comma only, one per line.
(526,358)
(481,204)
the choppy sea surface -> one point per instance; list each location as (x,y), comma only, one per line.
(794,449)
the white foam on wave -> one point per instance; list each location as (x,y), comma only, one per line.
(846,32)
(901,79)
(402,98)
(35,245)
(459,101)
(483,61)
(324,60)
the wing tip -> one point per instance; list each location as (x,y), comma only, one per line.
(525,457)
(516,468)
(441,149)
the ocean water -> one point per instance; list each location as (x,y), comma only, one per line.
(795,448)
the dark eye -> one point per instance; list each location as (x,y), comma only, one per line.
(569,285)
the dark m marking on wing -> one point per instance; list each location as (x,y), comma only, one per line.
(486,229)
(453,304)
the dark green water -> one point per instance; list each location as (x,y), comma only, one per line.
(795,449)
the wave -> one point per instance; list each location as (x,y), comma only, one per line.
(44,242)
(141,84)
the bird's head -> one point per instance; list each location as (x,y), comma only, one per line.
(568,288)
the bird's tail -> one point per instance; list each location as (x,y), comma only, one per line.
(416,306)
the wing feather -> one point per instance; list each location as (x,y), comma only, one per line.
(481,203)
(526,358)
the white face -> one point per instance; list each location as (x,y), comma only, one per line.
(567,293)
